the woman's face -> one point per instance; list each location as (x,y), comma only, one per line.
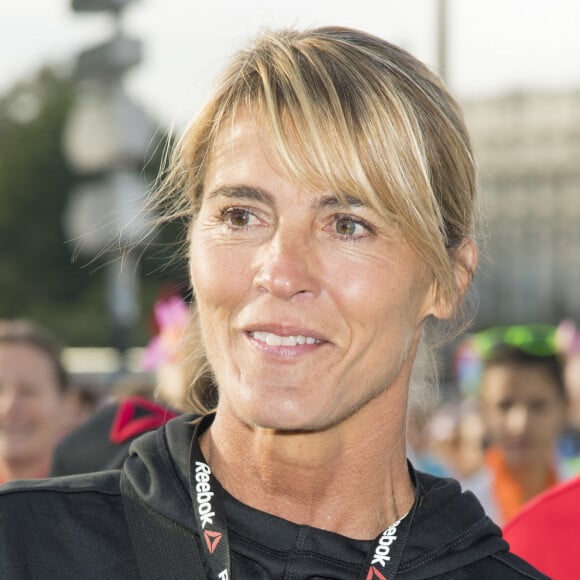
(523,412)
(30,404)
(309,308)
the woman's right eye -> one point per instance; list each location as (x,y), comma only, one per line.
(237,217)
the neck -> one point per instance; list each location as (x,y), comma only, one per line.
(349,479)
(12,470)
(533,478)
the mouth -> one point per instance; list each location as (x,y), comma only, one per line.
(520,446)
(272,339)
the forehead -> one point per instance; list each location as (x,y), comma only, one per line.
(518,381)
(245,151)
(24,363)
(237,147)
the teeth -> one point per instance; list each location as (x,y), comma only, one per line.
(274,340)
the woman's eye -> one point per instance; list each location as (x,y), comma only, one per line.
(238,217)
(347,226)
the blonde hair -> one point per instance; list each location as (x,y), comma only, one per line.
(348,112)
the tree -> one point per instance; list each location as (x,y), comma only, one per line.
(39,277)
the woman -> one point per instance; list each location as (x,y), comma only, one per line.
(330,183)
(33,404)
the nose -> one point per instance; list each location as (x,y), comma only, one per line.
(287,266)
(8,401)
(518,420)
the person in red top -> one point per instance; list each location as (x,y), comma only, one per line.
(545,532)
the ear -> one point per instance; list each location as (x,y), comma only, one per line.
(465,259)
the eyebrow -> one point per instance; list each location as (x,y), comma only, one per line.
(334,201)
(258,194)
(242,192)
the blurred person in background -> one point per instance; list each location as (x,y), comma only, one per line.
(420,449)
(568,340)
(34,409)
(523,405)
(137,403)
(455,436)
(545,531)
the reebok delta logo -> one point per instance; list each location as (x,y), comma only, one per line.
(204,493)
(212,539)
(374,574)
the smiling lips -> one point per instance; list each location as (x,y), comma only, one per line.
(272,339)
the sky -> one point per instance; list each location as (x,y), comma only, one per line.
(495,46)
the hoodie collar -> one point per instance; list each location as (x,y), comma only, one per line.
(449,530)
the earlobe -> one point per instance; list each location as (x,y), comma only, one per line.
(465,260)
(441,307)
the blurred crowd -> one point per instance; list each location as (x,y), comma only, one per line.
(508,430)
(54,423)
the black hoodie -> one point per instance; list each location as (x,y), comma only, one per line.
(76,528)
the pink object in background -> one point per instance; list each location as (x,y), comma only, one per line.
(171,316)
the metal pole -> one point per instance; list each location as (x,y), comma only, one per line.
(442,17)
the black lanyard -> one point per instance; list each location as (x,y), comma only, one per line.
(382,560)
(207,497)
(387,549)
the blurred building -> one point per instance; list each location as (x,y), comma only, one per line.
(95,370)
(528,151)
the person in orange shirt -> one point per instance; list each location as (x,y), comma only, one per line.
(523,404)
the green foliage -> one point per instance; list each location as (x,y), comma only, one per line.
(38,277)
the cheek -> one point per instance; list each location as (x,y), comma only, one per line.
(553,422)
(217,273)
(384,303)
(46,409)
(220,280)
(366,287)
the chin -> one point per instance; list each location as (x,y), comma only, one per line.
(283,416)
(523,459)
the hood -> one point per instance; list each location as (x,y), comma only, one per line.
(158,470)
(449,530)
